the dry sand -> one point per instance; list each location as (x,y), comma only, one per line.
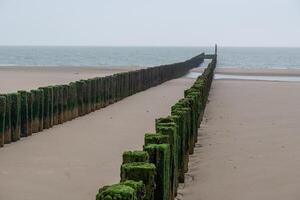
(27,78)
(71,161)
(248,143)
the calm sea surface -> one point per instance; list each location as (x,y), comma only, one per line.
(146,56)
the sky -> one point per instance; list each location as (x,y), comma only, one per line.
(150,22)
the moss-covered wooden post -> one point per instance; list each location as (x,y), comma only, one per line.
(93,94)
(180,116)
(41,108)
(85,97)
(51,106)
(80,97)
(55,104)
(15,116)
(135,156)
(89,95)
(46,107)
(140,171)
(35,110)
(65,102)
(127,190)
(2,119)
(30,114)
(170,129)
(60,106)
(7,127)
(160,156)
(152,138)
(24,113)
(73,100)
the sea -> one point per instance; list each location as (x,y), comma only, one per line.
(92,56)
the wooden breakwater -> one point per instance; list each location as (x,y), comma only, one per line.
(26,112)
(155,172)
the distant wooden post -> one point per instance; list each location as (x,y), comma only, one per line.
(216,49)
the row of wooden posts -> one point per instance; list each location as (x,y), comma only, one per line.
(26,112)
(155,172)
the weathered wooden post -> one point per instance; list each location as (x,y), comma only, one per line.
(15,116)
(135,156)
(41,109)
(160,156)
(46,108)
(24,113)
(55,104)
(7,128)
(51,106)
(127,190)
(30,115)
(170,129)
(60,104)
(140,171)
(2,119)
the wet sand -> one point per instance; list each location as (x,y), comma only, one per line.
(257,72)
(71,161)
(27,78)
(248,143)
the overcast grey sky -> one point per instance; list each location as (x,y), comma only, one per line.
(150,22)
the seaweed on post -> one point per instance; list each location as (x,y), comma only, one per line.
(24,113)
(2,119)
(135,156)
(160,156)
(140,171)
(15,116)
(7,127)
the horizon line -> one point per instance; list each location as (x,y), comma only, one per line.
(153,46)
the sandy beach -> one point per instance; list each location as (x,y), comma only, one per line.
(27,78)
(71,161)
(248,142)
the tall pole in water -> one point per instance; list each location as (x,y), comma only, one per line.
(216,49)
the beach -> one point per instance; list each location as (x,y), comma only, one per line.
(73,160)
(13,79)
(248,142)
(247,146)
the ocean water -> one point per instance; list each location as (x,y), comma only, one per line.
(243,57)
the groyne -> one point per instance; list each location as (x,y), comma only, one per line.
(26,112)
(156,171)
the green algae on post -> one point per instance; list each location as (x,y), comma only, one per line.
(2,119)
(51,106)
(7,124)
(65,103)
(60,106)
(46,107)
(35,110)
(55,104)
(140,171)
(30,117)
(41,108)
(15,116)
(152,138)
(160,156)
(170,129)
(24,113)
(118,192)
(135,156)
